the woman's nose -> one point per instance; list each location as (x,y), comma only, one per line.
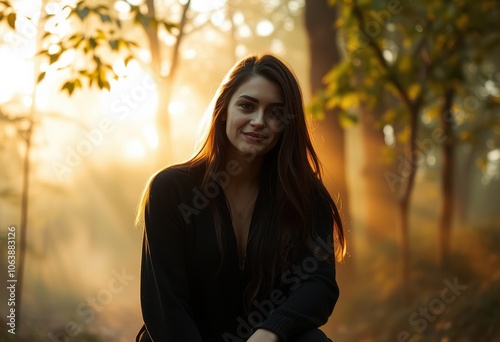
(258,118)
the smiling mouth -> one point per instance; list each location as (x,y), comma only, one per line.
(255,135)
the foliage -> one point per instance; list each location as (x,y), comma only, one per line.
(406,55)
(94,47)
(90,35)
(7,13)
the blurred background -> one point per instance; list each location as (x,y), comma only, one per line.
(403,99)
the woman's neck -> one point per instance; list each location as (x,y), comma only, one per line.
(247,172)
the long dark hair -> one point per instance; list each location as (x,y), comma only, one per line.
(291,177)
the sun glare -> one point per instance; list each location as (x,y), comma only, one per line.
(206,6)
(176,108)
(265,28)
(151,136)
(134,149)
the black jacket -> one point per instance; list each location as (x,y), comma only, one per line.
(184,294)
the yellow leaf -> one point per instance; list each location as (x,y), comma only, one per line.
(414,91)
(465,136)
(430,114)
(369,82)
(462,21)
(404,135)
(407,43)
(332,102)
(390,115)
(340,22)
(11,20)
(349,100)
(405,63)
(346,120)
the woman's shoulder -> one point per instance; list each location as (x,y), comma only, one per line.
(179,175)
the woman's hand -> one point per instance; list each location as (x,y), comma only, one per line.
(262,335)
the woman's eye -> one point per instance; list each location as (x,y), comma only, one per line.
(246,106)
(277,113)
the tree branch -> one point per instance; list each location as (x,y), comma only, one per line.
(380,57)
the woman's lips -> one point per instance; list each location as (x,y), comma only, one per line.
(254,137)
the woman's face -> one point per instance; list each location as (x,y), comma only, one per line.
(253,126)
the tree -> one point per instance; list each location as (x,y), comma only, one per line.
(96,71)
(415,54)
(331,148)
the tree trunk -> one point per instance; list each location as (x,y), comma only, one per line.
(404,201)
(463,181)
(324,55)
(162,116)
(320,18)
(164,83)
(447,177)
(23,226)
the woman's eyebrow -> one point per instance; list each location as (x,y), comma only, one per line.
(253,99)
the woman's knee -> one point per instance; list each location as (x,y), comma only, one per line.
(314,335)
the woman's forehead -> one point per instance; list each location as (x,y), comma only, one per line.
(260,89)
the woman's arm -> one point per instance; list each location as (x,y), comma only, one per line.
(165,297)
(313,289)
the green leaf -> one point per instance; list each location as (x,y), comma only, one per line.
(346,120)
(42,52)
(78,83)
(113,44)
(11,19)
(100,35)
(83,13)
(106,85)
(169,26)
(105,18)
(6,3)
(40,77)
(130,42)
(414,91)
(54,57)
(128,59)
(69,87)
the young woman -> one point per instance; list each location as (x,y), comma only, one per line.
(238,242)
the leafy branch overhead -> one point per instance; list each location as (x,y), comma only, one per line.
(409,51)
(92,47)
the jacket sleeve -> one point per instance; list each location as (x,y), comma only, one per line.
(312,289)
(165,296)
